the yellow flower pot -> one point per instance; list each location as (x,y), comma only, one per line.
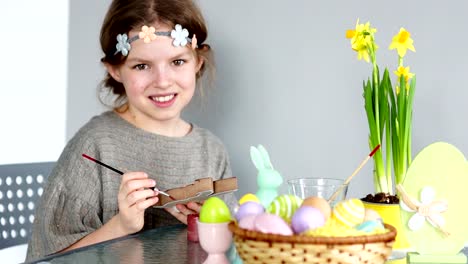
(390,214)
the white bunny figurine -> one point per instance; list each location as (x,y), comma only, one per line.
(268,179)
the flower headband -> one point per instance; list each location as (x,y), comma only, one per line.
(148,34)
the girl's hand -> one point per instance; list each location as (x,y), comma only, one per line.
(134,197)
(182,210)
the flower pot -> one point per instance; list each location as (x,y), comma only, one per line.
(390,214)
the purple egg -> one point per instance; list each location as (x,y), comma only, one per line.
(306,218)
(249,208)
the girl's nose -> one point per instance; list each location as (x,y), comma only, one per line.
(162,77)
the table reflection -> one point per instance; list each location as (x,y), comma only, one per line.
(161,245)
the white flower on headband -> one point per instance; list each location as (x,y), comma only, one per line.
(179,35)
(147,34)
(122,44)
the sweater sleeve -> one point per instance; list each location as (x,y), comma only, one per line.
(69,208)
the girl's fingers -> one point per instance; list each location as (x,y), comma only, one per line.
(143,204)
(135,184)
(140,195)
(194,206)
(183,209)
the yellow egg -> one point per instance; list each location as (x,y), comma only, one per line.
(349,212)
(285,206)
(249,197)
(319,203)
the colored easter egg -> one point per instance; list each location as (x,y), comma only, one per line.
(371,215)
(248,222)
(306,218)
(249,208)
(319,203)
(249,197)
(285,206)
(272,224)
(370,226)
(349,212)
(214,210)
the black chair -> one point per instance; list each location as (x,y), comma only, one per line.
(21,186)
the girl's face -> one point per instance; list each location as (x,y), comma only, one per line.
(159,80)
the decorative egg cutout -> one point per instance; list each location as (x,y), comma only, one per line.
(349,212)
(214,210)
(444,168)
(285,206)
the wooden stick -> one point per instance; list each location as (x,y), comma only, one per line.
(119,172)
(346,182)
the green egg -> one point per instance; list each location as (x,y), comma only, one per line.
(214,210)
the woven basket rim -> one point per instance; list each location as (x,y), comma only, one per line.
(297,239)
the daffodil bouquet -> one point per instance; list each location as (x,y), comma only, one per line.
(389,108)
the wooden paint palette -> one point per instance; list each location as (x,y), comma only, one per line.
(200,190)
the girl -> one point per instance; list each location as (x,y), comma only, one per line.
(154,53)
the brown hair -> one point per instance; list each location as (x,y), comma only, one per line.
(125,15)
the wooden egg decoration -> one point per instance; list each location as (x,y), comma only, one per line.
(284,206)
(349,213)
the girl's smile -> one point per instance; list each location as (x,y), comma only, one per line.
(164,101)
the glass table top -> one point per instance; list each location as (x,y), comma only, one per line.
(161,245)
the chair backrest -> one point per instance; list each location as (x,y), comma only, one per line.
(21,186)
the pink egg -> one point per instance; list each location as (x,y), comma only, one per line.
(249,208)
(248,222)
(272,224)
(307,218)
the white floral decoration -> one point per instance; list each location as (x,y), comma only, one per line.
(122,44)
(427,209)
(179,35)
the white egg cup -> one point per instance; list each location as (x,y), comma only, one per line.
(215,239)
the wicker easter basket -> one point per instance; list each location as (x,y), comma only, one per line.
(256,247)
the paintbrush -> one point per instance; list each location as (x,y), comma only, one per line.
(346,182)
(119,172)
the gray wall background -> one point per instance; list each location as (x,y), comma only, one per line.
(287,79)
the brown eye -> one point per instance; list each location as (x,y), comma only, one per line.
(140,67)
(179,62)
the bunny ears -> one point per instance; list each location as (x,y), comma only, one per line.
(260,157)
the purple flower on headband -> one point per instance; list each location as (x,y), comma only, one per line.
(179,35)
(122,44)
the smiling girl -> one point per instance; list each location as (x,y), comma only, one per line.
(154,53)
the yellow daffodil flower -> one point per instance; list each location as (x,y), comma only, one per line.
(404,71)
(402,42)
(362,39)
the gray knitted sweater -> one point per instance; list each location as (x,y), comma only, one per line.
(80,196)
